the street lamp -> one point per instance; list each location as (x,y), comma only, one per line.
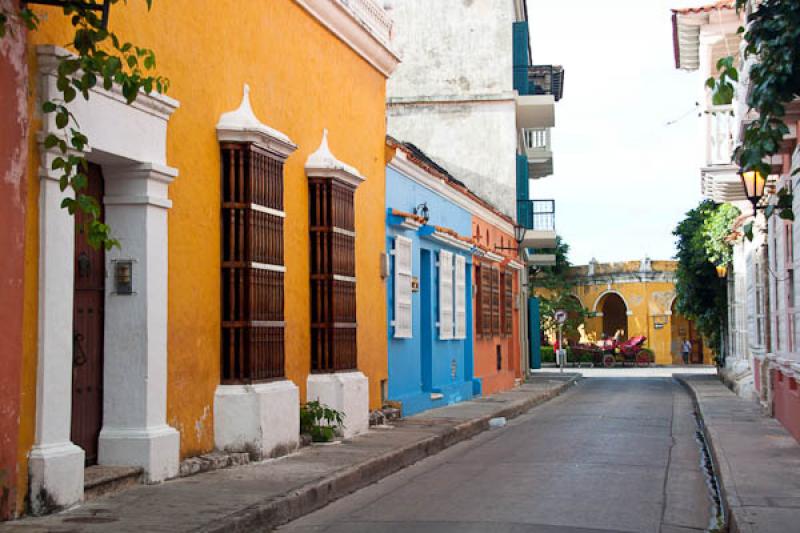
(519,235)
(753,183)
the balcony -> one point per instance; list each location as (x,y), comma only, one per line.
(538,88)
(539,219)
(538,150)
(546,79)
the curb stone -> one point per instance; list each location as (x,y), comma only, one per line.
(728,503)
(315,495)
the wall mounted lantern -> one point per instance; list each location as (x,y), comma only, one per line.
(722,271)
(753,183)
(423,211)
(519,235)
(102,6)
(123,276)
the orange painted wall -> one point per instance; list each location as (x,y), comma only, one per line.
(485,348)
(302,79)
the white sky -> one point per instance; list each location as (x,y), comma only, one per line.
(622,179)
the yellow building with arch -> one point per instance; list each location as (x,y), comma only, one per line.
(637,297)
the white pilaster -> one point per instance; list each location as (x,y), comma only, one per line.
(347,392)
(263,419)
(56,464)
(134,430)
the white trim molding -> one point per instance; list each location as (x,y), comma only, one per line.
(606,293)
(242,125)
(361,25)
(323,164)
(402,164)
(129,142)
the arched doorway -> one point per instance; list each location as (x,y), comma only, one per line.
(615,315)
(682,329)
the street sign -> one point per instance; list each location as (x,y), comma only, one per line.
(560,316)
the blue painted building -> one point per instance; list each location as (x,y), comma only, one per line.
(429,285)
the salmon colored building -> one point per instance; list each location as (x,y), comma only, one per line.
(249,204)
(496,297)
(13,192)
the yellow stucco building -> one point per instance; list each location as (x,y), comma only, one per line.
(637,297)
(213,340)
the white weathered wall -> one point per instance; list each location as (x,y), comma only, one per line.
(475,142)
(452,47)
(452,95)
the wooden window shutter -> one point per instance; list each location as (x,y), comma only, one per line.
(508,303)
(486,301)
(460,297)
(495,301)
(252,340)
(333,270)
(403,250)
(445,295)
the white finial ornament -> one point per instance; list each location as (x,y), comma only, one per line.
(322,163)
(242,125)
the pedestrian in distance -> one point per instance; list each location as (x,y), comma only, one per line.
(686,350)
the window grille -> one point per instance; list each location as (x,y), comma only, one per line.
(252,339)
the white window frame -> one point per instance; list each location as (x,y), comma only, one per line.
(460,297)
(403,306)
(445,295)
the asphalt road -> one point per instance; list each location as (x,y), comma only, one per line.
(611,454)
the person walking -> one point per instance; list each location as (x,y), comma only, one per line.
(686,350)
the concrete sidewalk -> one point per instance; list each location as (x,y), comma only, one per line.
(263,495)
(756,460)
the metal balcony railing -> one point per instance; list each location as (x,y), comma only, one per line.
(537,214)
(546,79)
(537,142)
(720,135)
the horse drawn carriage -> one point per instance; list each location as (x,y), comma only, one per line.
(609,352)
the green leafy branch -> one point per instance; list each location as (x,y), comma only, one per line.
(772,37)
(100,59)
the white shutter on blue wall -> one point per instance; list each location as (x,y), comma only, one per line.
(445,295)
(402,287)
(461,297)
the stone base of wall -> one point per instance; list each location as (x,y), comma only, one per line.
(498,382)
(441,396)
(347,392)
(786,401)
(56,477)
(262,419)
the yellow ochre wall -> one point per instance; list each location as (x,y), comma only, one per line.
(302,79)
(648,303)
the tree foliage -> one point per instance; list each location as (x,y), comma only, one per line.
(716,230)
(701,294)
(557,292)
(100,58)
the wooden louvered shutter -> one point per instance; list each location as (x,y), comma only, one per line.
(252,340)
(403,251)
(445,295)
(460,297)
(333,270)
(495,302)
(508,303)
(486,301)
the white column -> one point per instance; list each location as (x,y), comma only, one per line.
(134,430)
(56,464)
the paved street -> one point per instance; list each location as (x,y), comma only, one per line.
(609,455)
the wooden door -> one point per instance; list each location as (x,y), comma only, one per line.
(87,332)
